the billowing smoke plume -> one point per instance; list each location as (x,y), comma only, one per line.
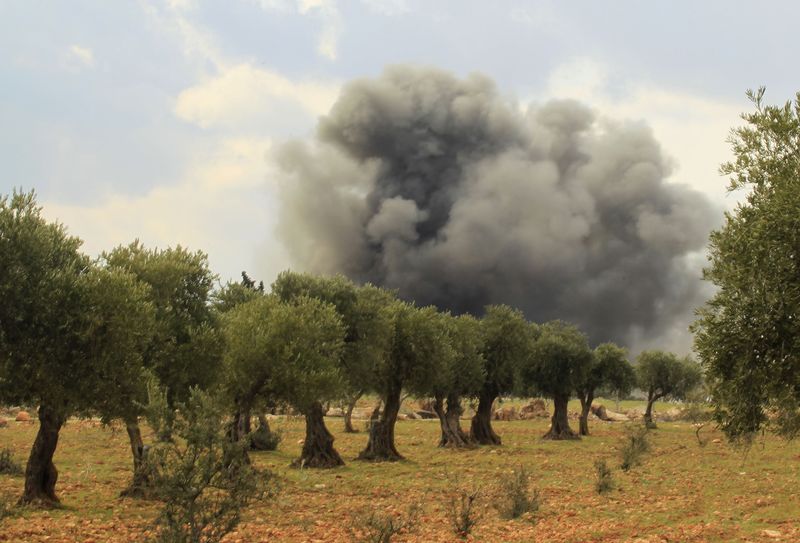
(445,190)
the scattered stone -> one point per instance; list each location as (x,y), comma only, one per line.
(23,416)
(301,441)
(774,534)
(536,408)
(3,423)
(603,413)
(717,440)
(402,416)
(423,414)
(335,412)
(319,486)
(506,413)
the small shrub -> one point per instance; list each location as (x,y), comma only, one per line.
(462,512)
(264,438)
(605,479)
(203,478)
(517,497)
(8,466)
(381,527)
(635,446)
(5,510)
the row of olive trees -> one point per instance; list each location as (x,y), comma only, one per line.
(81,337)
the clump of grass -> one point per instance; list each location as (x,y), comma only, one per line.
(381,527)
(635,446)
(8,466)
(605,478)
(462,512)
(517,496)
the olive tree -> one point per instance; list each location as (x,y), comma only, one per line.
(185,349)
(507,339)
(662,375)
(460,375)
(368,328)
(288,352)
(747,336)
(559,363)
(68,331)
(226,298)
(418,350)
(609,370)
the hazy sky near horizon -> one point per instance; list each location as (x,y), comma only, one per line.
(155,119)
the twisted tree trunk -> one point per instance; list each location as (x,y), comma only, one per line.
(318,451)
(141,477)
(452,434)
(586,407)
(559,424)
(380,445)
(648,413)
(348,414)
(40,472)
(481,431)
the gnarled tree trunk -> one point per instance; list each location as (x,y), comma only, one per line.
(586,407)
(348,414)
(380,445)
(452,434)
(648,413)
(40,473)
(318,451)
(559,424)
(481,430)
(141,477)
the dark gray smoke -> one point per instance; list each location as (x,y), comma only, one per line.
(443,189)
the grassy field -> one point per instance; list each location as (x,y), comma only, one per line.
(681,493)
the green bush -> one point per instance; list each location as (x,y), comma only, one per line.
(203,478)
(634,447)
(8,466)
(462,512)
(381,527)
(264,438)
(517,497)
(605,478)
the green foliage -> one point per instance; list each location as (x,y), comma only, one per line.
(379,527)
(610,371)
(559,362)
(158,413)
(365,316)
(748,335)
(41,314)
(664,375)
(634,446)
(462,512)
(265,439)
(186,348)
(287,352)
(605,478)
(203,477)
(462,373)
(507,339)
(517,498)
(9,466)
(120,326)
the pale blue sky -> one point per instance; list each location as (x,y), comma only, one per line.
(154,118)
